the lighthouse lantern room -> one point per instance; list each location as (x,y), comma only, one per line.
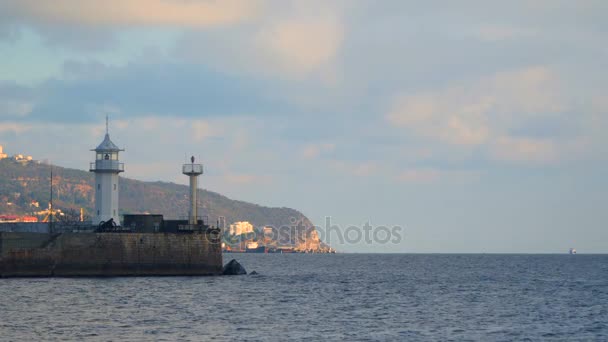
(106,167)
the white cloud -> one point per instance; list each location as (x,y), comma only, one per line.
(293,40)
(201,129)
(301,44)
(484,113)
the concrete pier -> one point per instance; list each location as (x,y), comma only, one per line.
(109,254)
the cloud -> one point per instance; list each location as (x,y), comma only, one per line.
(90,26)
(8,31)
(313,151)
(443,116)
(524,149)
(15,101)
(492,113)
(110,13)
(301,44)
(14,127)
(200,130)
(182,90)
(16,108)
(86,38)
(292,40)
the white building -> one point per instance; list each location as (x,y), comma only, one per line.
(239,228)
(22,158)
(106,168)
(2,154)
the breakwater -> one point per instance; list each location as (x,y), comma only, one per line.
(25,254)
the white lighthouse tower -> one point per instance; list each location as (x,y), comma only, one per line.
(106,168)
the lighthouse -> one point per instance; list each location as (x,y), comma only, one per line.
(106,167)
(193,171)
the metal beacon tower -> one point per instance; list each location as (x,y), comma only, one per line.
(193,171)
(106,168)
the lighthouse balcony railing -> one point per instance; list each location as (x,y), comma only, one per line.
(107,165)
(192,169)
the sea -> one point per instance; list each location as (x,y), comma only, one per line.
(320,297)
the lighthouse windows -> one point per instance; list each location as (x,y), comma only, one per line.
(107,156)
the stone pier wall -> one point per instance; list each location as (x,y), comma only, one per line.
(109,254)
(25,227)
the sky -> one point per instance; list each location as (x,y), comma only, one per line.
(474,126)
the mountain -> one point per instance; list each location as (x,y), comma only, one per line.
(25,184)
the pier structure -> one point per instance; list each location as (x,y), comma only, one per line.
(107,167)
(146,244)
(193,170)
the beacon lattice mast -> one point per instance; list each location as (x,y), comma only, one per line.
(106,168)
(193,171)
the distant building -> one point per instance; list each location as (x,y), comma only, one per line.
(22,158)
(240,228)
(267,231)
(17,157)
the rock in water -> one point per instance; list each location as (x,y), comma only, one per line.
(234,268)
(253,273)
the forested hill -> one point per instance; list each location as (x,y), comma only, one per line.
(24,183)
